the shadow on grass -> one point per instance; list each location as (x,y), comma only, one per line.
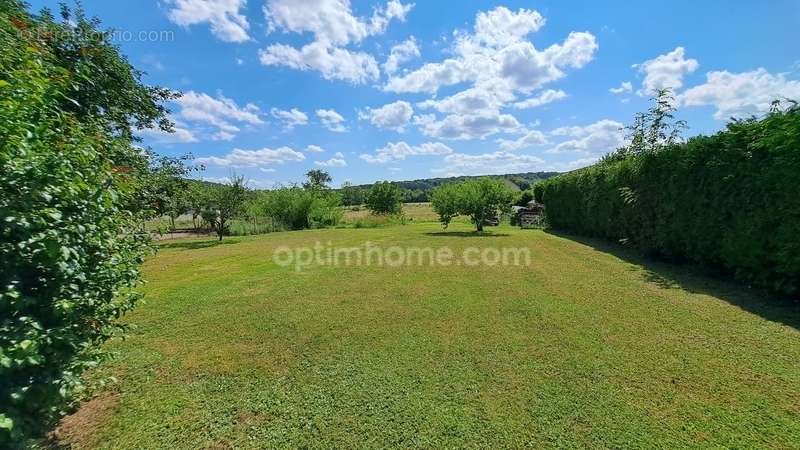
(195,245)
(465,234)
(698,281)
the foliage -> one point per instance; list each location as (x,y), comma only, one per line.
(317,180)
(384,198)
(351,195)
(523,198)
(419,191)
(225,203)
(728,201)
(652,130)
(71,208)
(293,208)
(481,199)
(538,192)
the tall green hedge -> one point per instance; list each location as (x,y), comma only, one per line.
(70,237)
(729,201)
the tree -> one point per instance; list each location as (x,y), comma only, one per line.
(197,199)
(226,203)
(351,195)
(652,130)
(71,203)
(481,199)
(164,185)
(317,180)
(385,198)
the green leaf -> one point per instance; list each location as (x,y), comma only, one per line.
(5,422)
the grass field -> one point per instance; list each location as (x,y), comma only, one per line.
(586,347)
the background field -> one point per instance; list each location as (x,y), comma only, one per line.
(588,346)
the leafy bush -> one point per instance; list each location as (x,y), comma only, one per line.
(731,200)
(481,199)
(295,208)
(384,198)
(70,209)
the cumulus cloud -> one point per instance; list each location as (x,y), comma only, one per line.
(467,126)
(331,120)
(497,49)
(499,162)
(291,118)
(500,63)
(180,135)
(336,161)
(626,87)
(222,115)
(397,151)
(253,158)
(544,98)
(392,116)
(597,138)
(314,149)
(740,94)
(334,27)
(665,71)
(400,54)
(334,63)
(530,139)
(225,18)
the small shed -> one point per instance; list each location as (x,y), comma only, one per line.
(531,215)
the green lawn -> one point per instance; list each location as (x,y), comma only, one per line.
(586,347)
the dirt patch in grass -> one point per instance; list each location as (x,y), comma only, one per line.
(78,430)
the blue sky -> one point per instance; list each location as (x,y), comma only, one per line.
(402,90)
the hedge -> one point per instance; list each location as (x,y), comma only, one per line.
(729,201)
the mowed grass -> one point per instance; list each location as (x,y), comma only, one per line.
(586,347)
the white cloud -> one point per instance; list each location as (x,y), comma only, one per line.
(486,97)
(544,98)
(334,26)
(253,158)
(221,113)
(530,139)
(499,162)
(401,53)
(314,149)
(468,126)
(392,116)
(336,161)
(500,64)
(290,118)
(227,21)
(332,120)
(597,138)
(334,63)
(497,49)
(624,88)
(740,94)
(397,151)
(180,135)
(665,71)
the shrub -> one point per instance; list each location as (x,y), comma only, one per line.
(384,198)
(70,208)
(294,208)
(730,200)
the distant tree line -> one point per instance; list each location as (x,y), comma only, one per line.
(420,191)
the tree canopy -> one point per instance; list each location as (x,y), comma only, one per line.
(481,199)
